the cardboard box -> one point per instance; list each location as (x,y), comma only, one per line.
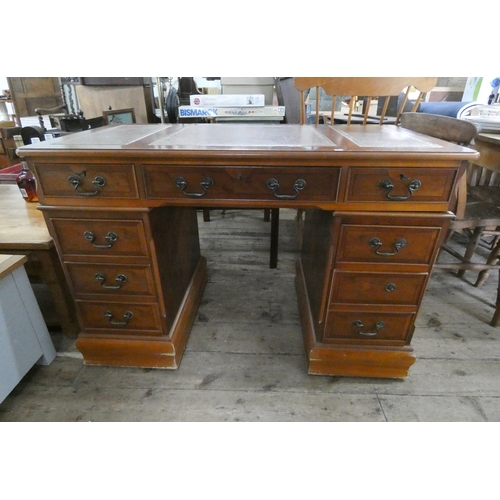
(221,112)
(226,100)
(247,80)
(249,85)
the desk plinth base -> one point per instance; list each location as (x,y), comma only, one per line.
(161,353)
(349,361)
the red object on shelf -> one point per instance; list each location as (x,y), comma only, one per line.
(9,174)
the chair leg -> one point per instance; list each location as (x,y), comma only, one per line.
(299,226)
(471,248)
(275,225)
(496,316)
(272,215)
(449,234)
(491,261)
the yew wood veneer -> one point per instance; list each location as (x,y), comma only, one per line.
(121,201)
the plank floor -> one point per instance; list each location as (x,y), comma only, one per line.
(244,360)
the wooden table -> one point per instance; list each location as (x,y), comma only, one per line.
(121,203)
(23,231)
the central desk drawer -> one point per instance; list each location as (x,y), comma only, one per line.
(103,237)
(82,180)
(400,184)
(245,183)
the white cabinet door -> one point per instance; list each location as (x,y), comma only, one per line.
(24,338)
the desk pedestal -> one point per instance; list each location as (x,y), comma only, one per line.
(384,362)
(163,353)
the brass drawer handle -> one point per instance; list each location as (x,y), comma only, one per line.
(110,238)
(205,184)
(120,280)
(398,245)
(390,287)
(359,327)
(388,186)
(298,185)
(98,183)
(127,316)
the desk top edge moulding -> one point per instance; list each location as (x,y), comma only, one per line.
(121,201)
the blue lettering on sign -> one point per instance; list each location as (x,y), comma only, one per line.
(197,112)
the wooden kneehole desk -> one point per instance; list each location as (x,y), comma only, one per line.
(121,201)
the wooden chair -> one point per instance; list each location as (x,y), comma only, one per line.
(52,113)
(270,215)
(475,218)
(368,88)
(63,122)
(32,134)
(483,186)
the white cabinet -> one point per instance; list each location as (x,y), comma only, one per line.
(24,338)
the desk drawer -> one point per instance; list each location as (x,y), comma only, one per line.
(377,288)
(387,244)
(101,237)
(368,327)
(400,184)
(245,183)
(84,180)
(119,318)
(110,279)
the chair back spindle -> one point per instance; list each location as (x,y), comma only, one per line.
(369,88)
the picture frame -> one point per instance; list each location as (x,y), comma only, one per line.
(119,116)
